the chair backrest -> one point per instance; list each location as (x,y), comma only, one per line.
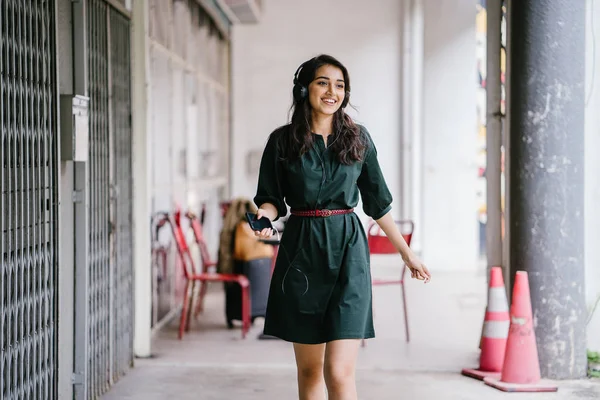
(200,241)
(189,267)
(157,222)
(224,207)
(379,243)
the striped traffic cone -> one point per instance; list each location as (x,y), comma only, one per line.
(495,330)
(521,369)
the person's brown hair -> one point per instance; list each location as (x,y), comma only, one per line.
(346,141)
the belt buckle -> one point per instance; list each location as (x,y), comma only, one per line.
(325,213)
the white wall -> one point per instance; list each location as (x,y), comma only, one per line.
(450,231)
(365,36)
(592,179)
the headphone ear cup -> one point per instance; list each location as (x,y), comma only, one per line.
(300,92)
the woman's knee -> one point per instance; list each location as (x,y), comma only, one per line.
(309,360)
(338,375)
(311,372)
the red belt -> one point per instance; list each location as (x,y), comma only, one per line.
(320,213)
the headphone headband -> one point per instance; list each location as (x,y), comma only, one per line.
(300,68)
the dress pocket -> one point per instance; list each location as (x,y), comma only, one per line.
(308,282)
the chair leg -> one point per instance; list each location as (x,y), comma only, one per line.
(405,311)
(201,295)
(184,310)
(245,311)
(191,305)
(163,255)
(248,310)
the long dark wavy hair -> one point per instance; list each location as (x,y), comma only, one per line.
(346,141)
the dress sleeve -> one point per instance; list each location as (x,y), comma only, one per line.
(270,178)
(375,194)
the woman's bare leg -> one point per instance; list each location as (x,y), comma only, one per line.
(339,369)
(309,360)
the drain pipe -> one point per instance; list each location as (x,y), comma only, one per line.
(412,116)
(494,117)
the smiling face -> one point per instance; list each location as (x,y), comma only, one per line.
(327,91)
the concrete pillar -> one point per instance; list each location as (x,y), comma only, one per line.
(546,175)
(141,197)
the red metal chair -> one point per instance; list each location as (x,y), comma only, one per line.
(192,276)
(159,251)
(207,262)
(380,244)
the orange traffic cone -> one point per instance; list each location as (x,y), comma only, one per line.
(521,370)
(495,330)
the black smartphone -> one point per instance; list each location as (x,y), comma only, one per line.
(258,224)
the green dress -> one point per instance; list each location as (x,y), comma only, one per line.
(321,285)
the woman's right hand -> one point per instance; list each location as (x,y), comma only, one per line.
(267,232)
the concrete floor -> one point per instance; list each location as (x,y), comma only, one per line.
(213,363)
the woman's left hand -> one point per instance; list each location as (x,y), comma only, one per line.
(418,270)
